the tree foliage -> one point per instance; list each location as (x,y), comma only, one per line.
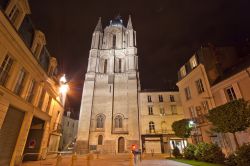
(230,117)
(181,128)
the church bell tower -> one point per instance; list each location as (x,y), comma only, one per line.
(108,120)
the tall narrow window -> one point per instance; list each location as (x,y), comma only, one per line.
(151,126)
(5,69)
(100,139)
(120,65)
(187,93)
(20,81)
(199,86)
(30,93)
(100,121)
(173,109)
(149,99)
(230,93)
(114,41)
(105,66)
(150,110)
(172,98)
(40,104)
(160,98)
(118,121)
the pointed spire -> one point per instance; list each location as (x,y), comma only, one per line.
(129,25)
(99,25)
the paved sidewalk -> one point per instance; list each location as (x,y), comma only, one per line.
(104,162)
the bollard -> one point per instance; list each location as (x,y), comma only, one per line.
(131,159)
(73,159)
(59,160)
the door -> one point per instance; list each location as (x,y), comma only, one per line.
(153,146)
(121,145)
(9,134)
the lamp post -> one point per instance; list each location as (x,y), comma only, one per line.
(191,125)
(63,89)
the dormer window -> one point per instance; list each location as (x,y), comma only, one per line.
(183,71)
(38,44)
(16,11)
(193,62)
(14,14)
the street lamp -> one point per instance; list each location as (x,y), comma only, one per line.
(191,125)
(63,89)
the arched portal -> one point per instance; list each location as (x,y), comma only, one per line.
(121,145)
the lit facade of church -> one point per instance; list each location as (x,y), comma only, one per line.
(109,120)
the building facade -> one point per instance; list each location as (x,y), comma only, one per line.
(158,111)
(108,120)
(30,107)
(202,88)
(69,132)
(233,86)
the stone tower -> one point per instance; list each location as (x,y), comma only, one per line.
(108,119)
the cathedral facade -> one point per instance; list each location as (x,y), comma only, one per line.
(109,120)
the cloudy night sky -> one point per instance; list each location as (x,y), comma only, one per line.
(168,33)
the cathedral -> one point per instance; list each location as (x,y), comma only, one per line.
(109,113)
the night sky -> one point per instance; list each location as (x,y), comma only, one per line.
(168,33)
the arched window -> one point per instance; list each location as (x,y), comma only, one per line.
(114,41)
(151,126)
(100,121)
(100,139)
(118,121)
(105,65)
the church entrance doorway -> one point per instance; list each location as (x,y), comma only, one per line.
(121,145)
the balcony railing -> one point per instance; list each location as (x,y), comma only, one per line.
(161,131)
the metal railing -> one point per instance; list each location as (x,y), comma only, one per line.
(160,131)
